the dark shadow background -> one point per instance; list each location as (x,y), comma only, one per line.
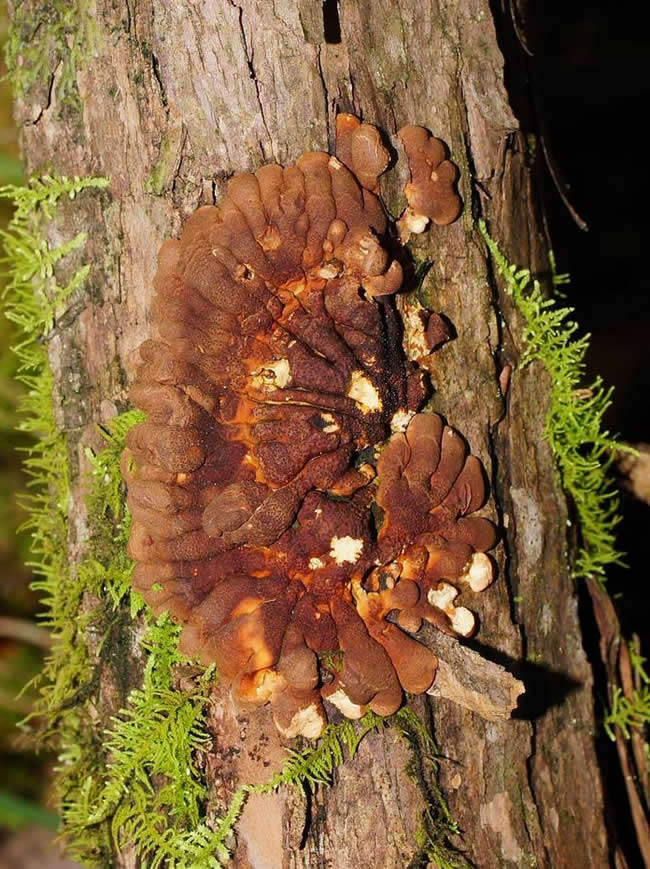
(589,82)
(591,75)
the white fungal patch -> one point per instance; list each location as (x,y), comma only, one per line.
(264,684)
(443,596)
(306,722)
(462,620)
(411,222)
(345,550)
(401,419)
(329,271)
(417,223)
(315,563)
(363,392)
(343,703)
(272,375)
(415,339)
(331,424)
(479,572)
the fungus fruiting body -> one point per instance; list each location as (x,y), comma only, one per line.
(292,508)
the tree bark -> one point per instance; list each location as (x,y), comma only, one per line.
(176,96)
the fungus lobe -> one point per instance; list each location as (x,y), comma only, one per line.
(262,520)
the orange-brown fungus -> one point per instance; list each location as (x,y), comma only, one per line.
(254,486)
(431,193)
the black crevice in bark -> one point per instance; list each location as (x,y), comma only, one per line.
(331,22)
(424,769)
(330,138)
(155,66)
(50,91)
(129,18)
(177,171)
(250,57)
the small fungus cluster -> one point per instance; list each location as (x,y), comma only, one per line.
(297,541)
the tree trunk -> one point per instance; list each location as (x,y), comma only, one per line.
(177,95)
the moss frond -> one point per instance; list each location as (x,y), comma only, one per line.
(584,451)
(633,712)
(31,300)
(42,194)
(152,791)
(628,713)
(437,825)
(44,36)
(107,568)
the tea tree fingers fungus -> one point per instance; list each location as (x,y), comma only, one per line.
(275,377)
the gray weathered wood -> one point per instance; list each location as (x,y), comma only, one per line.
(467,678)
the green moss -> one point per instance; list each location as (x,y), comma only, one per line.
(31,300)
(47,39)
(107,568)
(162,173)
(332,659)
(437,825)
(583,450)
(151,791)
(631,712)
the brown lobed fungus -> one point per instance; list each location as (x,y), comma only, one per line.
(275,376)
(431,192)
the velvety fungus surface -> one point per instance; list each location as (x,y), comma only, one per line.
(286,495)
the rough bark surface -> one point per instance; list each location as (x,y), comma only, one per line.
(177,95)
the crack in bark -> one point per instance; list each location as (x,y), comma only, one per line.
(353,94)
(321,74)
(250,57)
(539,840)
(155,66)
(129,18)
(179,163)
(50,92)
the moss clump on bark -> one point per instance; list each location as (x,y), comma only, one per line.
(584,451)
(46,43)
(32,300)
